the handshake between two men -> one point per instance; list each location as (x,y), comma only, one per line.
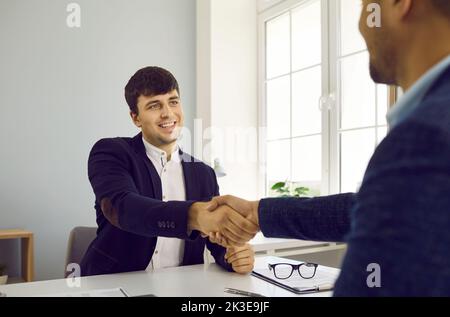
(230,222)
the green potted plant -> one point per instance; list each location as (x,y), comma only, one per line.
(288,189)
(3,276)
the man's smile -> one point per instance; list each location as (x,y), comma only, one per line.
(168,125)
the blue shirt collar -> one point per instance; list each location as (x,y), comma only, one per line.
(412,99)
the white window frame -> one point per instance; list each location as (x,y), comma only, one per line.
(265,16)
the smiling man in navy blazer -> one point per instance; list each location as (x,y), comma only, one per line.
(152,198)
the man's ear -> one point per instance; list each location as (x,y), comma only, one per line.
(403,8)
(135,118)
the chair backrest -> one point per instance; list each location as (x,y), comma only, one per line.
(79,240)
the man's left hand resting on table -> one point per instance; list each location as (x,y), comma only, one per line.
(241,258)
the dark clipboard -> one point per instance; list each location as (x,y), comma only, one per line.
(284,286)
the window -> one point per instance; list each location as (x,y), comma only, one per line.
(293,88)
(324,114)
(362,104)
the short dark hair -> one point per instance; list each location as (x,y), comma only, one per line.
(443,6)
(149,81)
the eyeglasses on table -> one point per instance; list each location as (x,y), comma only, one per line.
(283,271)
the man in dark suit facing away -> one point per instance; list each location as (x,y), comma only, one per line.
(398,225)
(152,198)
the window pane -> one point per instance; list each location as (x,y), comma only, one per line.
(278,108)
(307,161)
(357,92)
(306,36)
(278,161)
(383,103)
(278,46)
(357,147)
(382,133)
(307,89)
(351,39)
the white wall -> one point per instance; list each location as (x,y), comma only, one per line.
(61,90)
(227,89)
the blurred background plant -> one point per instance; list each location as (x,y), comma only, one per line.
(289,189)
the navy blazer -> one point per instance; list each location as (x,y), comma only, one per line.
(131,213)
(399,220)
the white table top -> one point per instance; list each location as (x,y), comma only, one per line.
(261,243)
(188,281)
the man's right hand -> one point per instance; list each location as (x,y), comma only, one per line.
(231,225)
(248,209)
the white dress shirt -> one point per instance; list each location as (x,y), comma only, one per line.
(169,252)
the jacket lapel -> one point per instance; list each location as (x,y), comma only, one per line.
(189,176)
(193,249)
(138,146)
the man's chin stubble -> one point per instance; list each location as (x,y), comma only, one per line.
(379,78)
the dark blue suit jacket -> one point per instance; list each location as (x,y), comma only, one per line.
(400,219)
(131,213)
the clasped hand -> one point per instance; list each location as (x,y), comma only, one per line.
(230,220)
